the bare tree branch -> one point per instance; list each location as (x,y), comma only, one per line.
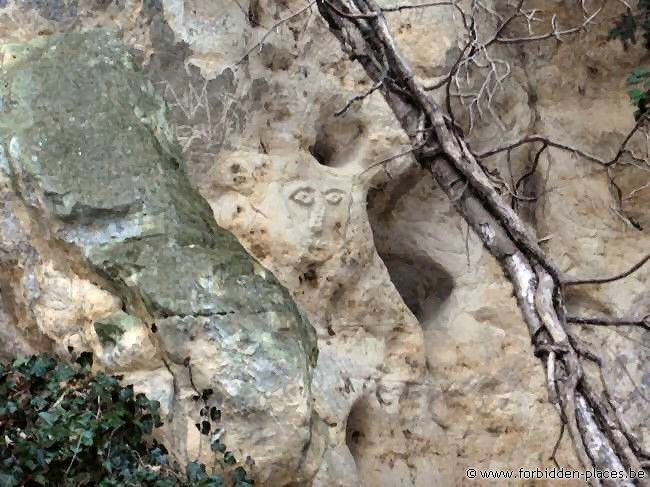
(572,281)
(556,32)
(529,139)
(400,8)
(607,321)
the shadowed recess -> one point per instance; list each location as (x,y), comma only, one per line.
(423,284)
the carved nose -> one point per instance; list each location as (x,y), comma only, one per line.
(317,219)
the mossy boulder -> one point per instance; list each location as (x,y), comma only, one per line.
(85,140)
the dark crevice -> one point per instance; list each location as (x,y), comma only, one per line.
(355,438)
(422,283)
(197,314)
(337,139)
(321,151)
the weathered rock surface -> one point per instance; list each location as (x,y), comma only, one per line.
(425,367)
(91,161)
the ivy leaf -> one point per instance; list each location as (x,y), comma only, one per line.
(637,75)
(39,402)
(48,418)
(215,414)
(625,29)
(636,95)
(62,373)
(240,478)
(85,360)
(147,423)
(158,457)
(40,366)
(107,465)
(229,458)
(87,438)
(216,445)
(40,479)
(195,471)
(215,481)
(11,407)
(126,394)
(20,361)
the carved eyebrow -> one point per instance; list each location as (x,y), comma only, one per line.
(303,188)
(333,190)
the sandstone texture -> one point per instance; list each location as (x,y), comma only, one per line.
(423,365)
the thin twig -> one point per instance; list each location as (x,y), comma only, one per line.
(636,127)
(58,401)
(529,139)
(392,158)
(74,457)
(572,281)
(554,33)
(399,8)
(606,321)
(533,168)
(365,95)
(273,28)
(557,445)
(637,190)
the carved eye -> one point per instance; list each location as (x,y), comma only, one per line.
(303,196)
(334,198)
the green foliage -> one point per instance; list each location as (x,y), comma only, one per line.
(639,94)
(61,426)
(626,31)
(626,28)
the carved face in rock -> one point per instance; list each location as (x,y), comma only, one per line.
(318,212)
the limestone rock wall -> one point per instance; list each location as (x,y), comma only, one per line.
(424,365)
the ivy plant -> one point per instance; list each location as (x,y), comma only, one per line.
(626,30)
(61,426)
(639,92)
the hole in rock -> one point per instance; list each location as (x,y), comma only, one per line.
(423,284)
(321,150)
(338,139)
(355,437)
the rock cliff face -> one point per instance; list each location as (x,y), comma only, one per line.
(160,287)
(424,366)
